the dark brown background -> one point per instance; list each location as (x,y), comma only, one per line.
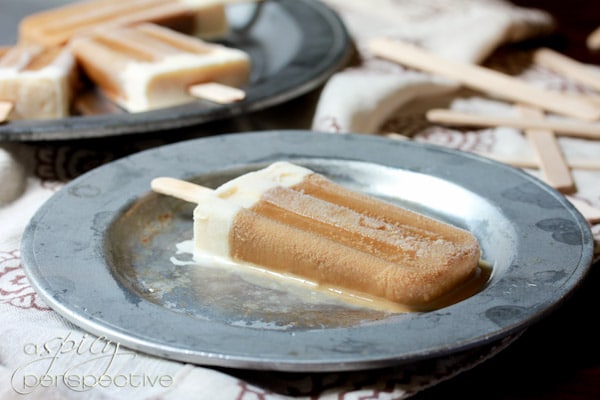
(575,20)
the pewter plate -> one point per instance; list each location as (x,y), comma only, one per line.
(294,45)
(103,252)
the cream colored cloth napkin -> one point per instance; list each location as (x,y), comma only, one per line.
(12,174)
(42,356)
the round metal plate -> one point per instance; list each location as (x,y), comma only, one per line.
(103,253)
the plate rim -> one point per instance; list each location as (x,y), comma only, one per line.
(289,139)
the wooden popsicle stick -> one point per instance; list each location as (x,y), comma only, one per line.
(5,109)
(520,162)
(590,213)
(217,92)
(180,189)
(484,79)
(573,128)
(593,98)
(552,163)
(593,39)
(567,67)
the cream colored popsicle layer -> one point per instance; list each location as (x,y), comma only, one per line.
(204,18)
(290,220)
(145,67)
(37,81)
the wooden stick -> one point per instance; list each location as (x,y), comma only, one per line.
(179,188)
(590,97)
(567,67)
(484,79)
(217,92)
(520,162)
(5,109)
(590,213)
(593,40)
(565,128)
(552,163)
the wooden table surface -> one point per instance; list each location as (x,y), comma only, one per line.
(559,357)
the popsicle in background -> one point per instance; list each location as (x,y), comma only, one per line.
(36,82)
(146,66)
(56,26)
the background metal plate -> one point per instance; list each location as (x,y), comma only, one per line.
(100,253)
(294,45)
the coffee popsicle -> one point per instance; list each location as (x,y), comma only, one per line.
(291,220)
(56,26)
(146,66)
(38,82)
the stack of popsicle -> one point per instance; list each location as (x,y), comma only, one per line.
(288,219)
(142,54)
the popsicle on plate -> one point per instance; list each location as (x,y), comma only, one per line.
(204,18)
(37,82)
(146,66)
(288,219)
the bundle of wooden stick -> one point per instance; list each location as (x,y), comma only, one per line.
(581,113)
